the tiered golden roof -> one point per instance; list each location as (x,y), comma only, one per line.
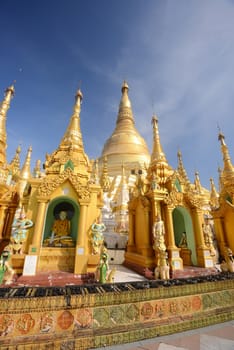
(125,144)
(159,169)
(227,174)
(70,152)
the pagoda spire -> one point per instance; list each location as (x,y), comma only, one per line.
(125,117)
(4,106)
(125,144)
(227,164)
(72,138)
(37,169)
(214,197)
(197,183)
(181,168)
(25,171)
(104,180)
(15,163)
(70,153)
(157,153)
(159,169)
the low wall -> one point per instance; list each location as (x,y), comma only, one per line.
(116,256)
(85,317)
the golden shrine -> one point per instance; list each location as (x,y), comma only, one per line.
(167,195)
(49,218)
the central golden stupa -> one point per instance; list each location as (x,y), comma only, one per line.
(125,145)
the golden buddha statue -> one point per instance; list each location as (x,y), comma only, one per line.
(60,236)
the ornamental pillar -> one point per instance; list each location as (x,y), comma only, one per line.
(81,257)
(38,229)
(2,219)
(131,241)
(173,251)
(204,259)
(147,249)
(8,223)
(220,233)
(81,226)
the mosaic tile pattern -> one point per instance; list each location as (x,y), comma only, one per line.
(112,322)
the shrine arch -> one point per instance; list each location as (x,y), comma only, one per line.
(62,204)
(182,222)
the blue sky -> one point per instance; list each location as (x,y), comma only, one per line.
(177,56)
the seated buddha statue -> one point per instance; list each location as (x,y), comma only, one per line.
(60,233)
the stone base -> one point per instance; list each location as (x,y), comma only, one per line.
(17,262)
(140,260)
(56,259)
(176,263)
(185,254)
(116,256)
(204,259)
(143,271)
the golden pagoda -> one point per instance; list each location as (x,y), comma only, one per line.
(9,196)
(167,198)
(222,204)
(62,204)
(125,145)
(126,149)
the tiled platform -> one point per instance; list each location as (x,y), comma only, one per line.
(216,337)
(122,274)
(45,279)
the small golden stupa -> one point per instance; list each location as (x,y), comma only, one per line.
(222,204)
(62,203)
(166,217)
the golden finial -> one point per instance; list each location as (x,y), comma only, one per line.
(214,197)
(181,168)
(104,180)
(226,156)
(197,182)
(37,169)
(125,102)
(79,96)
(15,163)
(157,154)
(125,87)
(25,172)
